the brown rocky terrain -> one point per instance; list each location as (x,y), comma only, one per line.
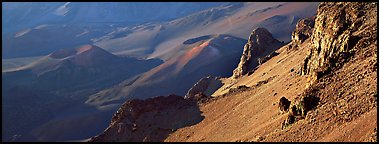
(324,90)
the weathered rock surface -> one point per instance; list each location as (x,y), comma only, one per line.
(303,31)
(150,120)
(260,43)
(340,29)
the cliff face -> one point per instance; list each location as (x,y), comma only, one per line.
(340,29)
(259,44)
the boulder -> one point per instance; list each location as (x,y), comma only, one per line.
(284,104)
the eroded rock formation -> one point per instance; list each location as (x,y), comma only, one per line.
(259,44)
(340,28)
(303,31)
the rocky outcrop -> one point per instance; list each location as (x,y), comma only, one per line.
(150,120)
(303,31)
(340,29)
(260,43)
(206,86)
(344,32)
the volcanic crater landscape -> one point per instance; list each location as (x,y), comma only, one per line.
(190,72)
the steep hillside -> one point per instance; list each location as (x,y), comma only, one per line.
(317,112)
(313,92)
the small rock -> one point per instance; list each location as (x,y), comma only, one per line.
(284,104)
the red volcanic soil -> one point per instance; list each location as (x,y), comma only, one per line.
(191,55)
(176,64)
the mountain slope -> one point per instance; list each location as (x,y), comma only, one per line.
(348,114)
(337,103)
